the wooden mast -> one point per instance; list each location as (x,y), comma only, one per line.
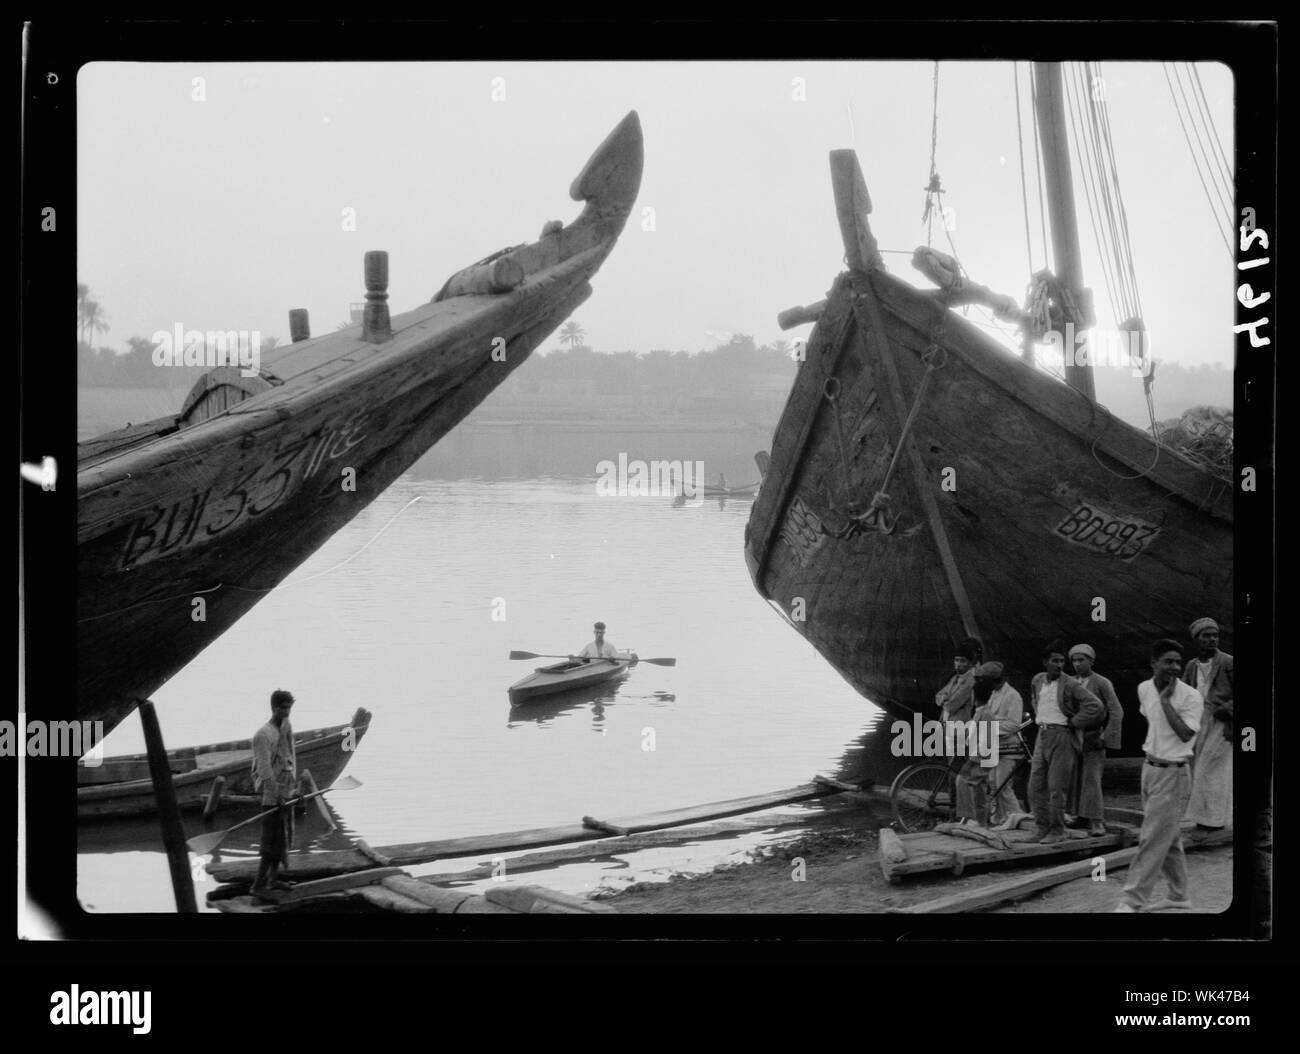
(1050,114)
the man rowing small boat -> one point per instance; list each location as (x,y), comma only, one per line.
(599,648)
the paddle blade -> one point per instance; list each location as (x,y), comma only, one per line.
(203,844)
(343,783)
(524,655)
(659,662)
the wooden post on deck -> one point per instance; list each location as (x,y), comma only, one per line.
(376,324)
(214,797)
(169,813)
(299,325)
(852,207)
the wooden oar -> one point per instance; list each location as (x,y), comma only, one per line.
(535,655)
(203,844)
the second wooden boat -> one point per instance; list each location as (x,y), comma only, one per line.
(121,786)
(926,484)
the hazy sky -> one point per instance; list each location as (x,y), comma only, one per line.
(226,213)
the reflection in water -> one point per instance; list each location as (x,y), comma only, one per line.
(545,711)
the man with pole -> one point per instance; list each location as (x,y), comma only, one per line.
(275,778)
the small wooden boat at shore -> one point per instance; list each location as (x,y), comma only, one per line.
(568,676)
(185,522)
(122,786)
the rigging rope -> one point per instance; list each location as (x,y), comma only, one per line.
(1092,192)
(1209,200)
(934,189)
(1217,141)
(1024,195)
(1210,167)
(1038,175)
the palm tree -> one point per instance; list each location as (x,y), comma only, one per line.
(571,334)
(94,320)
(83,298)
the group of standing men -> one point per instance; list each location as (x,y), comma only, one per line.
(1188,747)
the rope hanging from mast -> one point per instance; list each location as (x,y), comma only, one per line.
(934,189)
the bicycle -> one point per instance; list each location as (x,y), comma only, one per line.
(924,794)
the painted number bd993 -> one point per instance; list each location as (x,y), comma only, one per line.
(1116,536)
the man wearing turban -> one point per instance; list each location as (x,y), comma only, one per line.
(1086,801)
(1210,673)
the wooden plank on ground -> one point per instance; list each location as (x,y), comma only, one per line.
(525,898)
(312,865)
(605,848)
(390,900)
(1021,886)
(443,901)
(334,884)
(931,851)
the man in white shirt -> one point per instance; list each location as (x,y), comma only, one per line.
(1173,712)
(599,648)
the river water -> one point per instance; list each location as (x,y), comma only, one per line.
(411,611)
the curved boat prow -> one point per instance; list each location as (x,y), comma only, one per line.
(610,179)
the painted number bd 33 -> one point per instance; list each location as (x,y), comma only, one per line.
(1118,536)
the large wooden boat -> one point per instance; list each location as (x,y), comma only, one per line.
(184,523)
(121,786)
(926,484)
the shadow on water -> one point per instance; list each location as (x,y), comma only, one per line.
(547,710)
(136,834)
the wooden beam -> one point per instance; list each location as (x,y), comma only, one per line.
(798,316)
(169,813)
(409,854)
(499,276)
(334,884)
(852,207)
(214,797)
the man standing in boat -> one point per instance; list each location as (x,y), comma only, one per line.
(1173,711)
(598,648)
(275,777)
(1063,710)
(1210,673)
(1086,799)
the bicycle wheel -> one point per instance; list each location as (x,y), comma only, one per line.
(922,796)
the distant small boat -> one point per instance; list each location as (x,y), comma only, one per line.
(745,491)
(122,786)
(566,676)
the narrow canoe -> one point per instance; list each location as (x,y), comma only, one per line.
(121,786)
(566,676)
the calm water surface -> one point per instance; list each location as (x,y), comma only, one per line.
(411,611)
